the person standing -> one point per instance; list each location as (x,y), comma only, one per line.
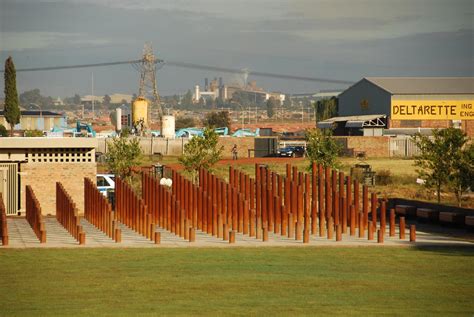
(234,152)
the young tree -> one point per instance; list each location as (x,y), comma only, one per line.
(217,119)
(322,148)
(272,104)
(12,107)
(77,99)
(444,161)
(106,100)
(122,155)
(201,152)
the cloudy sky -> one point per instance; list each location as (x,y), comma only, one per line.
(338,39)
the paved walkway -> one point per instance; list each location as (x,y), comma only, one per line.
(22,236)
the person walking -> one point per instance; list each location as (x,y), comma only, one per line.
(234,152)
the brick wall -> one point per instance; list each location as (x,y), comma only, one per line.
(373,146)
(42,177)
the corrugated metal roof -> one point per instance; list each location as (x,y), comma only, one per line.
(425,85)
(355,118)
(37,113)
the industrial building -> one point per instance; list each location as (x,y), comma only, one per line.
(216,89)
(404,105)
(37,120)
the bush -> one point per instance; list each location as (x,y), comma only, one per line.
(383,177)
(3,131)
(33,133)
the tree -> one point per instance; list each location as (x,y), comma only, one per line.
(201,152)
(217,119)
(12,107)
(322,148)
(106,100)
(272,104)
(122,155)
(187,100)
(185,122)
(326,108)
(445,160)
(287,102)
(77,99)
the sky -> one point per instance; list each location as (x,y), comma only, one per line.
(337,39)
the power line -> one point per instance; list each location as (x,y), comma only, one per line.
(194,66)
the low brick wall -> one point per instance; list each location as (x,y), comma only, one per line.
(373,146)
(42,178)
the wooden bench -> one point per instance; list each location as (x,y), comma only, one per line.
(452,218)
(469,222)
(405,210)
(427,214)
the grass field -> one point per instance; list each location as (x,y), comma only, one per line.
(235,281)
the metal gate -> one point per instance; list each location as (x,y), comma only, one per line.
(9,186)
(403,147)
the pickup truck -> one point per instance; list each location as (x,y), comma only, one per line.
(105,182)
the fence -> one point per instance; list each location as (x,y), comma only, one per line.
(33,215)
(67,215)
(3,222)
(131,209)
(98,211)
(403,147)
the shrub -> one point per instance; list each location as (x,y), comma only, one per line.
(383,177)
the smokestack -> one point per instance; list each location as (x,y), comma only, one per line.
(206,84)
(197,93)
(221,82)
(118,113)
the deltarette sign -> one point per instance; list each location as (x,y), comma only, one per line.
(432,110)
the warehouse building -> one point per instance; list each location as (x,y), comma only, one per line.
(37,120)
(404,105)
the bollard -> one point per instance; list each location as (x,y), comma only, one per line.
(370,231)
(265,234)
(322,226)
(379,236)
(291,226)
(150,232)
(298,231)
(392,222)
(225,231)
(383,215)
(232,236)
(219,226)
(4,239)
(412,233)
(118,235)
(82,238)
(402,228)
(306,236)
(339,232)
(157,237)
(330,228)
(192,235)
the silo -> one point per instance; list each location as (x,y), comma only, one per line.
(140,111)
(168,127)
(118,114)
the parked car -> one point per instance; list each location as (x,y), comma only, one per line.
(105,183)
(291,151)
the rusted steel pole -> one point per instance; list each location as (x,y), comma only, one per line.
(232,236)
(328,189)
(253,224)
(379,236)
(412,233)
(392,222)
(343,205)
(314,198)
(291,226)
(339,232)
(330,228)
(383,215)
(246,217)
(356,202)
(353,220)
(370,231)
(365,204)
(361,225)
(373,205)
(335,207)
(321,210)
(288,171)
(402,228)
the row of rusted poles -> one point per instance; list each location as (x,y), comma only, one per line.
(67,215)
(98,211)
(165,208)
(3,222)
(34,216)
(131,209)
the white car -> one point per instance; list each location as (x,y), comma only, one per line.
(105,182)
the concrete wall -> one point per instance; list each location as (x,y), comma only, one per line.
(373,146)
(42,177)
(175,147)
(379,100)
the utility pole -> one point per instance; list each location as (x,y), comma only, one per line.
(93,99)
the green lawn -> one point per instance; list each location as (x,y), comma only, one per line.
(237,281)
